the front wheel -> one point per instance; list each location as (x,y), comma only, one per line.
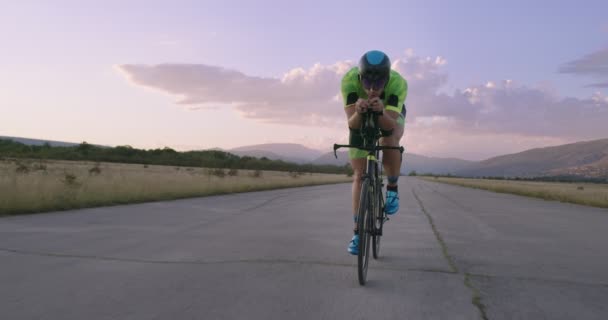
(365,227)
(378,218)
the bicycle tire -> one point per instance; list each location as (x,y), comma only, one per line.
(363,225)
(378,222)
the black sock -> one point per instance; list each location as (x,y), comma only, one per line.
(391,188)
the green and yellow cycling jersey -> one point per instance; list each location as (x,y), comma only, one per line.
(393,96)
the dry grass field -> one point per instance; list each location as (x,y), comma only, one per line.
(589,194)
(28,186)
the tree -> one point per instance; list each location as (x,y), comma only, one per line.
(84,148)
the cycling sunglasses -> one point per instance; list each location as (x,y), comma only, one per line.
(376,84)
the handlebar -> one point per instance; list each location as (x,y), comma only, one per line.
(338,146)
(368,113)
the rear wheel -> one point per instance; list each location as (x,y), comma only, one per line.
(364,226)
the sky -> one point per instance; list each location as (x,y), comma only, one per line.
(485,78)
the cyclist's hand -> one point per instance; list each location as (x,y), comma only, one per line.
(361,105)
(376,105)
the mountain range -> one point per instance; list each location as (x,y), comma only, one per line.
(39,142)
(300,154)
(290,152)
(583,159)
(411,162)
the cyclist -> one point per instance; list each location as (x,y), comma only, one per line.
(372,85)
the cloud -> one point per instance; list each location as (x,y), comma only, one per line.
(311,97)
(595,64)
(597,85)
(508,108)
(301,96)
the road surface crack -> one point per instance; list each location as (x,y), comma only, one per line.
(476,299)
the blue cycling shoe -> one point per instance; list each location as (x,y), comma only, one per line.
(392,202)
(353,246)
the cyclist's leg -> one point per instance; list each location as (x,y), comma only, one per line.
(358,162)
(391,159)
(358,165)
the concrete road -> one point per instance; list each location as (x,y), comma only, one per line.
(450,253)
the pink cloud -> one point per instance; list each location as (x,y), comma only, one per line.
(311,97)
(594,64)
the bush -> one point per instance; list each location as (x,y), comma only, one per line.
(95,170)
(233,172)
(219,172)
(165,156)
(39,167)
(412,173)
(70,179)
(257,174)
(22,168)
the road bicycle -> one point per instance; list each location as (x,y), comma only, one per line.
(370,214)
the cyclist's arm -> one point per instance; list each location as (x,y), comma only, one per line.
(388,121)
(394,106)
(353,117)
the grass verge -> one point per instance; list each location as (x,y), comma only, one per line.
(589,194)
(30,186)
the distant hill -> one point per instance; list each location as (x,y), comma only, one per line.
(329,158)
(411,162)
(424,164)
(598,169)
(39,142)
(290,152)
(257,154)
(587,158)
